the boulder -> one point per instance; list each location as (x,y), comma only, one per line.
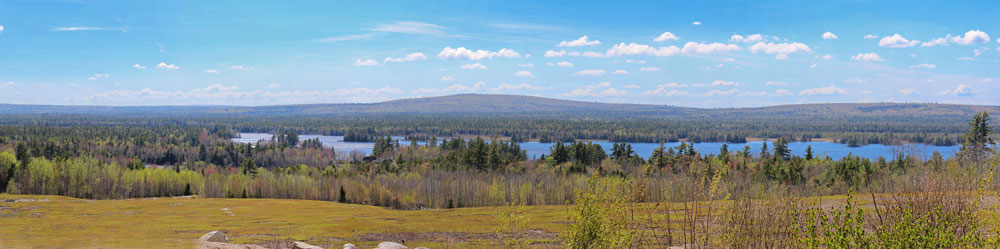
(303,245)
(390,245)
(214,236)
(421,248)
(350,246)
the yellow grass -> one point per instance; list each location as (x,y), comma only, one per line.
(63,222)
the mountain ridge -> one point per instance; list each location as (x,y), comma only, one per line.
(507,104)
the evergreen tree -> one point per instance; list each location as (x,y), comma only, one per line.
(343,195)
(781,151)
(809,152)
(975,146)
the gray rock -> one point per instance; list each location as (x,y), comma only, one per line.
(350,246)
(421,248)
(303,245)
(214,236)
(390,245)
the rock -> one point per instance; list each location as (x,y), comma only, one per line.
(421,248)
(303,245)
(390,245)
(350,246)
(214,236)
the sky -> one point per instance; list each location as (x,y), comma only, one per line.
(684,53)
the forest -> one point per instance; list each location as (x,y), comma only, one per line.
(98,157)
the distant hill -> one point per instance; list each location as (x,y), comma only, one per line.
(517,104)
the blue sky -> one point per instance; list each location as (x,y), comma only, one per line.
(692,53)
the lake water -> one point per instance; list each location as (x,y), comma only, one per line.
(536,149)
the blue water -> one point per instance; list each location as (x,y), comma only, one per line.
(536,149)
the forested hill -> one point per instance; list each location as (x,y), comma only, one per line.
(516,104)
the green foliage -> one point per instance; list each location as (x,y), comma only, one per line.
(512,228)
(8,167)
(839,229)
(592,220)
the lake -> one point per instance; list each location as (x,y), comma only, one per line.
(536,149)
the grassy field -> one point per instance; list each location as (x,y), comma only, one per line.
(37,221)
(62,222)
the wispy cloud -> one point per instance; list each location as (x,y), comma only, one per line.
(122,29)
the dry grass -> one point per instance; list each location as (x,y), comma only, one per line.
(63,222)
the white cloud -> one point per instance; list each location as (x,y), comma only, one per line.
(595,91)
(826,57)
(593,55)
(696,23)
(346,38)
(551,53)
(1,28)
(673,84)
(775,83)
(212,71)
(780,49)
(723,83)
(620,71)
(409,57)
(408,27)
(447,78)
(137,66)
(782,92)
(943,41)
(748,38)
(273,85)
(812,66)
(829,36)
(961,90)
(473,66)
(509,87)
(972,37)
(649,69)
(122,29)
(97,76)
(365,62)
(897,41)
(526,65)
(582,41)
(908,91)
(590,72)
(8,84)
(524,74)
(666,36)
(218,93)
(462,53)
(663,90)
(925,65)
(870,36)
(867,57)
(237,67)
(721,93)
(781,57)
(640,49)
(164,65)
(632,86)
(708,48)
(829,90)
(635,61)
(564,64)
(480,85)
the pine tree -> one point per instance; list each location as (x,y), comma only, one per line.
(809,152)
(343,196)
(977,140)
